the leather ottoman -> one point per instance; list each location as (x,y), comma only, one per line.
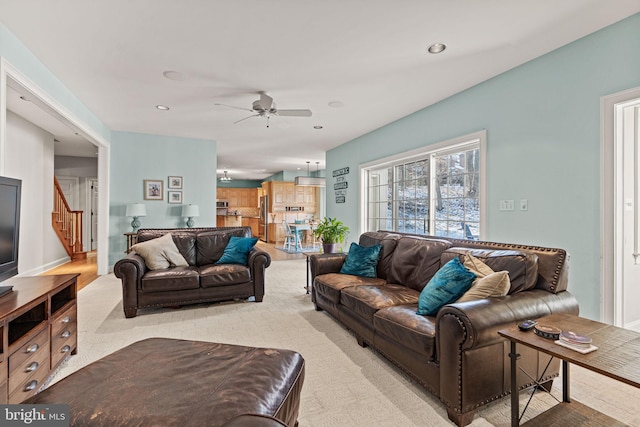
(168,382)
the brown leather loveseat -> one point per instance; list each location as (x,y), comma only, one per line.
(201,281)
(456,354)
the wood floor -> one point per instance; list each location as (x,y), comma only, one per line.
(88,268)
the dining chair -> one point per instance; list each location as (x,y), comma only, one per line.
(290,238)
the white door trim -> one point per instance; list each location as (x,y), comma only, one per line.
(10,75)
(611,204)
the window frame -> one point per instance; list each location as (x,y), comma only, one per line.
(439,148)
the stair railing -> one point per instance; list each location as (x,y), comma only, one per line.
(67,223)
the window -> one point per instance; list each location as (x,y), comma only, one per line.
(436,191)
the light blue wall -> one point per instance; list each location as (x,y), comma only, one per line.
(136,157)
(26,62)
(543,131)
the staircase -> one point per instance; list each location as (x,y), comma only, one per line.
(67,224)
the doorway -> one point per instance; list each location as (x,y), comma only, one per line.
(620,197)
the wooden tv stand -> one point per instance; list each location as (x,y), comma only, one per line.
(38,329)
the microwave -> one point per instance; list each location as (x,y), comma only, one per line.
(222,204)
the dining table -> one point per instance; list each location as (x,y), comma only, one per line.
(296,228)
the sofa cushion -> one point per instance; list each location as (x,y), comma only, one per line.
(211,243)
(415,261)
(172,279)
(160,253)
(366,300)
(361,261)
(522,266)
(213,275)
(237,250)
(184,239)
(329,285)
(401,324)
(388,242)
(445,287)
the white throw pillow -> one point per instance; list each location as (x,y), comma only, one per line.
(160,253)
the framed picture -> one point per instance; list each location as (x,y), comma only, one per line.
(153,189)
(175,197)
(175,182)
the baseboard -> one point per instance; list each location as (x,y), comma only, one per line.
(46,267)
(634,326)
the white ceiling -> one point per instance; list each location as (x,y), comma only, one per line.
(369,55)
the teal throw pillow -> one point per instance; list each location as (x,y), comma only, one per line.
(237,250)
(446,286)
(361,260)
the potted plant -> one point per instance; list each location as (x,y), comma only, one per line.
(331,231)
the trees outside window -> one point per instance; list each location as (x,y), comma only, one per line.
(435,192)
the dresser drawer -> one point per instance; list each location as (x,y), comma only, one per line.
(29,368)
(61,348)
(30,386)
(68,317)
(29,350)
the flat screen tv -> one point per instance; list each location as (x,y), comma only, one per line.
(10,190)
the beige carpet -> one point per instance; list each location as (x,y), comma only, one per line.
(345,385)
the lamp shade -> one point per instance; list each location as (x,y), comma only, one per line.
(190,211)
(136,210)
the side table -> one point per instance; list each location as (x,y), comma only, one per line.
(617,357)
(308,254)
(132,239)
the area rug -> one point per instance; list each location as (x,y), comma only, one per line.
(345,385)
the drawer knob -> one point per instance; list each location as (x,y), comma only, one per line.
(65,349)
(65,334)
(66,319)
(31,385)
(32,367)
(32,348)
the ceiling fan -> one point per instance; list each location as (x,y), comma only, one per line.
(265,107)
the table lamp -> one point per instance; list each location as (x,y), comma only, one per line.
(136,210)
(190,212)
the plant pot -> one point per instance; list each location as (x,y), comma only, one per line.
(328,248)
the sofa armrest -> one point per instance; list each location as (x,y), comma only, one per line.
(325,263)
(258,261)
(130,270)
(475,324)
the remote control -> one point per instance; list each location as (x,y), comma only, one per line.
(527,325)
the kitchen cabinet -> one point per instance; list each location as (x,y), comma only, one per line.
(286,194)
(239,197)
(253,223)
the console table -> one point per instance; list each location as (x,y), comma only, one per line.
(38,329)
(617,357)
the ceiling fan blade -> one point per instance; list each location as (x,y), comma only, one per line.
(253,115)
(233,106)
(265,101)
(294,113)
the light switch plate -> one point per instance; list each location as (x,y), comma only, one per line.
(506,205)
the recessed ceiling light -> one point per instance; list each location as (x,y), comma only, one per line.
(162,107)
(317,127)
(436,48)
(174,75)
(336,104)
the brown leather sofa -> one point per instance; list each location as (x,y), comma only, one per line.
(201,281)
(457,355)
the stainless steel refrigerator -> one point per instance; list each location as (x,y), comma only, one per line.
(263,224)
